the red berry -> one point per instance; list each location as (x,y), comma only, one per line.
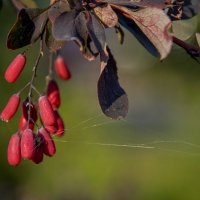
(51,129)
(38,156)
(53,94)
(33,110)
(60,125)
(23,124)
(15,68)
(48,145)
(11,108)
(14,150)
(27,144)
(62,69)
(46,111)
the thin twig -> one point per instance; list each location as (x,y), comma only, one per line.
(193,51)
(33,78)
(50,65)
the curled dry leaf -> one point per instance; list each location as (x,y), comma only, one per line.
(107,16)
(154,23)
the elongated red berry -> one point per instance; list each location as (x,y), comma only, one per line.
(27,144)
(53,94)
(15,68)
(62,69)
(14,150)
(11,108)
(23,124)
(33,111)
(39,154)
(59,124)
(51,129)
(49,145)
(46,111)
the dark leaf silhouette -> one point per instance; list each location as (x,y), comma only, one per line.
(28,28)
(112,98)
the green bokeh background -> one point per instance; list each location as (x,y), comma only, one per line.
(164,113)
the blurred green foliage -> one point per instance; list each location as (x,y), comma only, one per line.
(164,114)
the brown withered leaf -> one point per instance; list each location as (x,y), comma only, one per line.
(106,14)
(154,23)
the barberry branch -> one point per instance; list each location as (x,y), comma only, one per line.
(192,50)
(33,78)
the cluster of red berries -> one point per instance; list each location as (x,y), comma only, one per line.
(32,141)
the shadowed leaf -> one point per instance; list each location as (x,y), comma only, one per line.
(64,28)
(57,9)
(27,29)
(52,44)
(112,98)
(97,35)
(83,35)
